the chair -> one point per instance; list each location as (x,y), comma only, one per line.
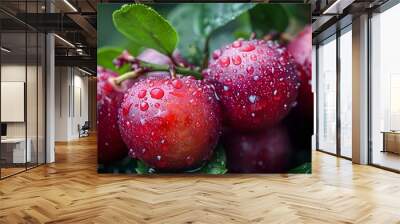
(84,130)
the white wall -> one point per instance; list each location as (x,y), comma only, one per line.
(70,83)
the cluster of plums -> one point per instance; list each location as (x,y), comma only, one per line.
(173,123)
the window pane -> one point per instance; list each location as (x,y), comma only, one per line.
(327,96)
(385,89)
(346,94)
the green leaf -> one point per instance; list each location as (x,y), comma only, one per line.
(144,26)
(227,35)
(107,35)
(304,168)
(143,168)
(299,16)
(105,57)
(196,22)
(268,17)
(217,164)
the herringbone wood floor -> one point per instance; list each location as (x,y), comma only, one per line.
(71,191)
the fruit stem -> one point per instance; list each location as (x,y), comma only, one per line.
(172,71)
(206,53)
(149,67)
(128,75)
(174,61)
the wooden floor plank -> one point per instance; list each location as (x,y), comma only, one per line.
(71,191)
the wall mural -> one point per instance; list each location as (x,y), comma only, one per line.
(210,88)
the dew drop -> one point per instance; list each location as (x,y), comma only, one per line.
(275,92)
(237,44)
(253,114)
(248,48)
(159,157)
(144,106)
(177,83)
(224,61)
(126,109)
(226,88)
(250,70)
(216,54)
(142,93)
(252,98)
(157,93)
(236,60)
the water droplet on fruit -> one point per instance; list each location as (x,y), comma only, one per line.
(253,57)
(250,70)
(177,83)
(237,44)
(256,77)
(162,141)
(236,60)
(216,54)
(157,93)
(126,109)
(275,92)
(252,98)
(226,88)
(144,106)
(248,48)
(159,157)
(224,61)
(253,114)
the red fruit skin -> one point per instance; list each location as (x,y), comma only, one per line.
(266,151)
(256,81)
(170,124)
(109,142)
(301,49)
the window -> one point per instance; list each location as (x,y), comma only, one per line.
(385,89)
(346,92)
(327,96)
